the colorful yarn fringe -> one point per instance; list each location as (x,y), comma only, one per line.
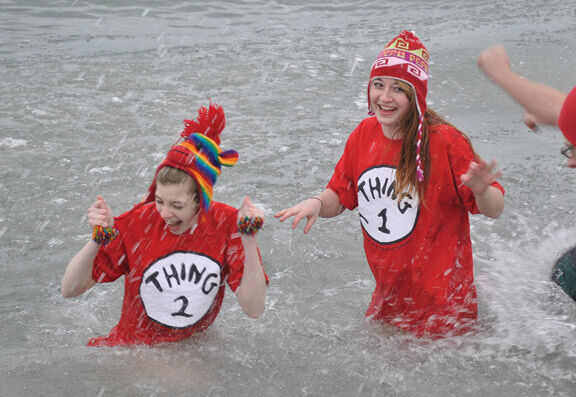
(104,235)
(206,167)
(250,226)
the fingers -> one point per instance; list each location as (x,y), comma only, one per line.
(296,212)
(309,209)
(97,217)
(99,214)
(250,219)
(531,121)
(250,210)
(309,224)
(100,202)
(286,213)
(246,203)
(297,218)
(280,214)
(480,174)
(494,62)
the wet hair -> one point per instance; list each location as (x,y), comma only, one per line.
(171,176)
(406,177)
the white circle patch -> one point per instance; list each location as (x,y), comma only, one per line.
(384,217)
(178,290)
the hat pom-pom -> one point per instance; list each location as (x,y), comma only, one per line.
(211,122)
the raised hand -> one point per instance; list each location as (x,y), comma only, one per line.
(494,61)
(480,175)
(99,214)
(250,218)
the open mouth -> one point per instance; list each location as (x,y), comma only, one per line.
(387,109)
(174,226)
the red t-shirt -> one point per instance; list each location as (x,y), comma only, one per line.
(420,254)
(567,119)
(174,284)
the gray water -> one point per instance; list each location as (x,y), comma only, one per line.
(93,95)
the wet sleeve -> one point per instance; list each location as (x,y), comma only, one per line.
(460,155)
(567,119)
(343,182)
(110,263)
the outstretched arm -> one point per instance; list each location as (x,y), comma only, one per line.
(251,292)
(479,178)
(78,275)
(325,205)
(541,101)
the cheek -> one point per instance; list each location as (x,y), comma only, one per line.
(403,99)
(190,213)
(373,95)
(159,209)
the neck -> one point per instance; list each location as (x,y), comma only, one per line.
(393,132)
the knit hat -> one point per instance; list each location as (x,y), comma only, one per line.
(199,154)
(405,58)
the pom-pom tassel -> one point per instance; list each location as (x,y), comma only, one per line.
(250,226)
(104,235)
(211,122)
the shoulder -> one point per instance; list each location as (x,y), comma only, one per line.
(219,211)
(218,207)
(220,217)
(369,124)
(140,212)
(366,129)
(447,136)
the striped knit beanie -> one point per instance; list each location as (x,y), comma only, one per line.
(405,58)
(199,153)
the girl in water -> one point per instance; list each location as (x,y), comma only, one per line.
(414,178)
(177,248)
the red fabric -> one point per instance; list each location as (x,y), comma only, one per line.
(174,285)
(420,255)
(567,119)
(211,122)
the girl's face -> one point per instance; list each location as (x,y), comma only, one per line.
(390,104)
(177,205)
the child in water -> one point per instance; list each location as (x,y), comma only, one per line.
(177,248)
(414,178)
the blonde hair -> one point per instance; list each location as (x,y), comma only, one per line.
(170,176)
(406,176)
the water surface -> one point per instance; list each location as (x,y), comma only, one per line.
(94,94)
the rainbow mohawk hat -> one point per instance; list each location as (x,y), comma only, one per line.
(199,154)
(405,58)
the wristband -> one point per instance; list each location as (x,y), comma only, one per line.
(250,226)
(319,199)
(104,235)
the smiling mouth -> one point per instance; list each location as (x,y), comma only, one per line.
(387,109)
(174,224)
